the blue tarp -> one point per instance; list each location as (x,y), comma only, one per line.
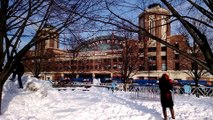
(192,82)
(118,80)
(105,80)
(140,82)
(144,82)
(82,79)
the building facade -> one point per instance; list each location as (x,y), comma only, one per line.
(113,56)
(158,58)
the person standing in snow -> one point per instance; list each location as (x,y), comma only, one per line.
(187,89)
(165,85)
(19,70)
(113,86)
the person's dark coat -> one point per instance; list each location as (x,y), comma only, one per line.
(19,69)
(165,85)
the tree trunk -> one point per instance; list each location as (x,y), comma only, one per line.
(196,87)
(4,75)
(125,84)
(1,90)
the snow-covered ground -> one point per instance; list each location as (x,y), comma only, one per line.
(96,104)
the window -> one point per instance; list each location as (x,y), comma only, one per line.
(151,25)
(152,67)
(141,58)
(164,27)
(119,66)
(177,66)
(152,78)
(115,60)
(115,67)
(141,77)
(164,67)
(71,61)
(152,49)
(164,57)
(87,67)
(98,60)
(163,48)
(141,67)
(120,59)
(108,67)
(176,56)
(152,58)
(105,60)
(141,50)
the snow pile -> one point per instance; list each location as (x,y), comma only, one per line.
(96,81)
(47,103)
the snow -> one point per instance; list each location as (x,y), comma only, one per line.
(94,103)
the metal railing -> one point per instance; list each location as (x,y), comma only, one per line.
(145,91)
(204,91)
(154,91)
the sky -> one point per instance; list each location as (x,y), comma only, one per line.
(94,103)
(129,10)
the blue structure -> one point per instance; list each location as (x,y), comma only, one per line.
(109,80)
(192,82)
(139,82)
(145,82)
(82,80)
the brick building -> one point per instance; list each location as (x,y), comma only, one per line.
(104,56)
(157,57)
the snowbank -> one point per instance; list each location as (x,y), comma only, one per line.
(48,103)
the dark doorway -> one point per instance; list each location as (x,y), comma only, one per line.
(102,76)
(69,75)
(85,75)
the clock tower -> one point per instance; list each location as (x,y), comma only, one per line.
(155,20)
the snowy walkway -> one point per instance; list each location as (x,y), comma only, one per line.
(97,104)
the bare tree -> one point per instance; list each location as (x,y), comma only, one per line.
(130,60)
(115,16)
(22,20)
(195,71)
(37,64)
(200,37)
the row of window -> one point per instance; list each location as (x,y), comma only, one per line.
(154,67)
(150,58)
(88,67)
(153,58)
(89,61)
(115,67)
(152,49)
